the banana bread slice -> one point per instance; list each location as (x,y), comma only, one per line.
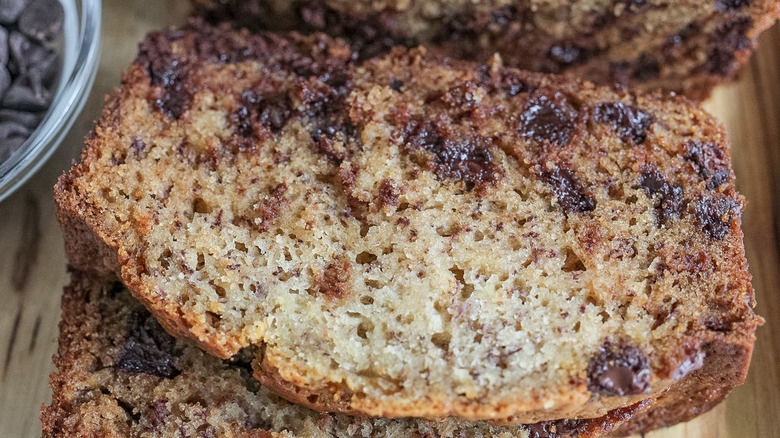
(416,236)
(119,374)
(686,46)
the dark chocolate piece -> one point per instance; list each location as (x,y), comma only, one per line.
(566,186)
(28,119)
(42,20)
(11,9)
(461,157)
(3,47)
(556,428)
(5,80)
(148,348)
(729,38)
(619,369)
(13,129)
(730,5)
(710,161)
(9,145)
(669,198)
(549,119)
(176,94)
(712,216)
(22,97)
(629,122)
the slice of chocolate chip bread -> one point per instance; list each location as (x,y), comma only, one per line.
(686,46)
(416,236)
(119,374)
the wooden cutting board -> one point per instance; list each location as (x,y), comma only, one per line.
(32,260)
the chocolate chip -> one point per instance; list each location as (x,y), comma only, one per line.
(669,199)
(3,47)
(628,121)
(572,197)
(11,9)
(645,68)
(568,54)
(10,145)
(457,156)
(710,162)
(275,112)
(176,93)
(13,129)
(29,120)
(27,56)
(396,84)
(148,348)
(5,80)
(546,119)
(730,5)
(25,98)
(620,369)
(255,110)
(556,428)
(712,215)
(42,19)
(729,38)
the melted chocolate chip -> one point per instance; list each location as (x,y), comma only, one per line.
(369,34)
(620,369)
(729,38)
(548,119)
(710,161)
(645,68)
(175,95)
(730,5)
(628,121)
(148,348)
(571,195)
(713,216)
(275,112)
(466,158)
(396,84)
(556,428)
(333,141)
(568,54)
(256,110)
(669,199)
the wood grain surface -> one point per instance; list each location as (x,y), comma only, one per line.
(32,260)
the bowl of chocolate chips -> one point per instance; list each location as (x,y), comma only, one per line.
(49,52)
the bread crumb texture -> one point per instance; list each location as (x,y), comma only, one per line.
(415,236)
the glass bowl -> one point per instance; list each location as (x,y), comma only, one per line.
(80,50)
